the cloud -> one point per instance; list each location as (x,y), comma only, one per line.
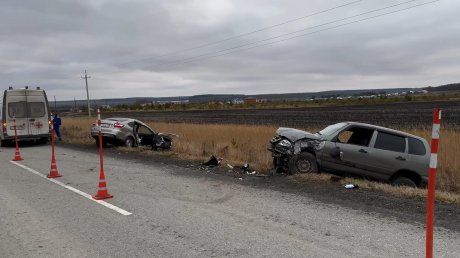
(162,48)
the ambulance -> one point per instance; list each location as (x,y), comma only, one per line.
(29,107)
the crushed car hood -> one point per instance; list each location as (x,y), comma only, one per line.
(295,134)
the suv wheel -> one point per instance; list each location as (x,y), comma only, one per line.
(404,181)
(303,163)
(129,142)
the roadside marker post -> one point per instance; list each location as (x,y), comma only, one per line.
(432,181)
(53,171)
(102,192)
(17,154)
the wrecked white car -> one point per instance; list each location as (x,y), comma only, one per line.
(353,148)
(130,133)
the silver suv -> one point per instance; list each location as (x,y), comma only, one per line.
(355,148)
(130,133)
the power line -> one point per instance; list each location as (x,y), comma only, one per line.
(237,48)
(243,34)
(279,36)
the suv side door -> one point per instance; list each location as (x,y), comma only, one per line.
(348,150)
(389,154)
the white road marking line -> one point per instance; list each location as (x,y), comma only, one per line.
(106,204)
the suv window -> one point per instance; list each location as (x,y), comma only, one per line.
(390,142)
(416,147)
(356,136)
(332,129)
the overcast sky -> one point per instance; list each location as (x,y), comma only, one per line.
(136,48)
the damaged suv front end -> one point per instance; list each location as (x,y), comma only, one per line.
(295,150)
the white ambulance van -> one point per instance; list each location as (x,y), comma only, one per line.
(30,108)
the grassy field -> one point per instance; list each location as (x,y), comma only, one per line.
(239,144)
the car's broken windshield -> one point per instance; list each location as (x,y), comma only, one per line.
(331,129)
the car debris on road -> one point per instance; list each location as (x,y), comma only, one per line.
(212,161)
(351,186)
(244,169)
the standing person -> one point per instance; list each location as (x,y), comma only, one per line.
(57,125)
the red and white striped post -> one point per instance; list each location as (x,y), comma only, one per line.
(432,181)
(102,192)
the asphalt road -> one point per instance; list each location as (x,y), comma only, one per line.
(181,212)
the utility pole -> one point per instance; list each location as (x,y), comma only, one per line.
(54,103)
(75,104)
(87,93)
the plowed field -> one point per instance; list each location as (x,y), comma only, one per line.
(396,115)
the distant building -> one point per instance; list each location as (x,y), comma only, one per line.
(237,101)
(261,100)
(250,100)
(164,102)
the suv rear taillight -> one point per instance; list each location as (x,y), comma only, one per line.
(118,125)
(4,126)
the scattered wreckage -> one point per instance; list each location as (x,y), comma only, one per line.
(353,148)
(213,161)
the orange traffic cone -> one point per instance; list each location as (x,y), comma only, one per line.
(102,192)
(17,155)
(53,171)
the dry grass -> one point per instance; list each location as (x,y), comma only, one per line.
(236,144)
(77,130)
(239,144)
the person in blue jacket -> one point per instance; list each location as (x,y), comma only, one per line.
(57,125)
